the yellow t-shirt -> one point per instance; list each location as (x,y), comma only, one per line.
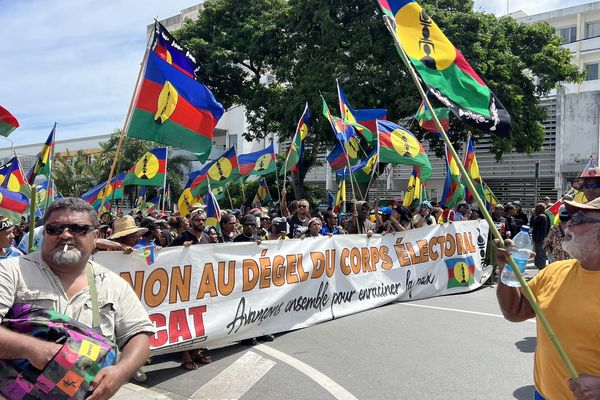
(569,296)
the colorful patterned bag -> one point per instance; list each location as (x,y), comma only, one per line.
(70,372)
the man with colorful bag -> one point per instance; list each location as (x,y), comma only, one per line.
(58,294)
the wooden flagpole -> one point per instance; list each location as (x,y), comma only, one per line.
(492,226)
(165,181)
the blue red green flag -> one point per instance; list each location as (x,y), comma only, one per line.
(361,172)
(172,108)
(213,212)
(105,191)
(216,173)
(472,167)
(263,195)
(260,162)
(444,69)
(415,191)
(149,170)
(344,153)
(397,145)
(342,132)
(12,178)
(454,190)
(364,121)
(296,150)
(44,159)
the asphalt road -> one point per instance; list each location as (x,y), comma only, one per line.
(451,347)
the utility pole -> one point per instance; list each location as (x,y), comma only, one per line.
(537,181)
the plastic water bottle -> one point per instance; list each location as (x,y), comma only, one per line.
(520,253)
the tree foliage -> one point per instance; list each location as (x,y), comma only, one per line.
(73,175)
(306,44)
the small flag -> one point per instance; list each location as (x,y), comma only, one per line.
(296,150)
(363,171)
(43,161)
(490,197)
(414,190)
(340,197)
(461,272)
(342,132)
(185,202)
(364,121)
(213,212)
(397,145)
(150,170)
(454,191)
(263,195)
(330,200)
(344,153)
(149,253)
(8,122)
(258,163)
(12,178)
(105,191)
(472,167)
(426,121)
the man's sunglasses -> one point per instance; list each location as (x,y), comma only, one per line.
(579,184)
(77,230)
(579,218)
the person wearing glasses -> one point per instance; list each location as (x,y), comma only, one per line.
(588,183)
(249,229)
(568,293)
(195,234)
(57,278)
(299,220)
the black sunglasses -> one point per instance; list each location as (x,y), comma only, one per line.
(77,230)
(579,218)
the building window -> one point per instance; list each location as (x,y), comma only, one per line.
(592,29)
(233,141)
(592,72)
(568,34)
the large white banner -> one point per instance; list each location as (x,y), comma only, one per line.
(213,294)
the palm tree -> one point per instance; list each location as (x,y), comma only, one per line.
(73,174)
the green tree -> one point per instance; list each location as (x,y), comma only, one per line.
(73,174)
(304,45)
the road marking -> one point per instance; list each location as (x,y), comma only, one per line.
(323,380)
(460,311)
(237,379)
(125,393)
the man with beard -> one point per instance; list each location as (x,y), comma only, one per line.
(568,293)
(196,234)
(57,278)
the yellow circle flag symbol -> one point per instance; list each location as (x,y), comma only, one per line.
(263,162)
(147,167)
(105,191)
(405,144)
(351,147)
(462,273)
(13,183)
(422,39)
(220,170)
(303,131)
(167,102)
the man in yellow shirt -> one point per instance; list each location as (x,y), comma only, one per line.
(568,293)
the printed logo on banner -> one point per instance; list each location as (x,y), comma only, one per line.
(461,271)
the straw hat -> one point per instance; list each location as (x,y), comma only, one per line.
(126,226)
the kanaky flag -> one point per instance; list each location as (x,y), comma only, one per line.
(261,162)
(166,47)
(213,212)
(344,153)
(185,202)
(490,197)
(425,118)
(454,191)
(263,195)
(44,159)
(296,150)
(216,173)
(472,167)
(342,132)
(172,108)
(153,204)
(150,170)
(149,253)
(340,197)
(415,189)
(8,122)
(461,272)
(364,121)
(12,202)
(444,69)
(105,191)
(12,178)
(361,172)
(397,145)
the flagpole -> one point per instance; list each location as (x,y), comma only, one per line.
(492,226)
(243,190)
(228,194)
(32,205)
(127,117)
(165,181)
(50,162)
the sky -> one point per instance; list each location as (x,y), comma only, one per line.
(75,62)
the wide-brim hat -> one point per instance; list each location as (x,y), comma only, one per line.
(126,226)
(573,206)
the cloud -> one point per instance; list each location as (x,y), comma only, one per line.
(530,7)
(73,62)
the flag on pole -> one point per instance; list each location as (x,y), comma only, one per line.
(361,172)
(105,191)
(444,69)
(216,173)
(415,190)
(213,212)
(296,150)
(153,204)
(330,200)
(454,191)
(44,159)
(260,162)
(12,204)
(340,197)
(12,178)
(348,118)
(472,167)
(342,154)
(171,107)
(490,198)
(149,170)
(263,195)
(8,122)
(342,132)
(397,145)
(425,118)
(149,253)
